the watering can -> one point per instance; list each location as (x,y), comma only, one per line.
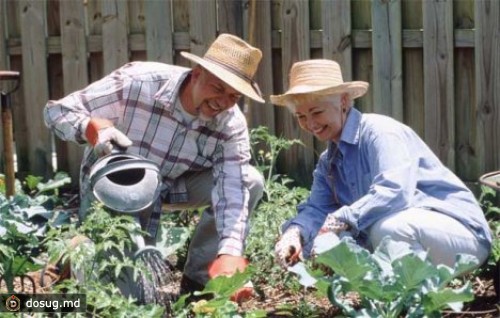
(130,184)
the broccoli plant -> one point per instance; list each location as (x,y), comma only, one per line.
(391,282)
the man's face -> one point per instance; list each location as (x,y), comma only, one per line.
(322,118)
(211,96)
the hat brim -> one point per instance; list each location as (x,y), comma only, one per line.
(228,77)
(354,89)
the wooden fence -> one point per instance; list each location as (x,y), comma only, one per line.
(433,64)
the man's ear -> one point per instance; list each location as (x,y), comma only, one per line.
(197,70)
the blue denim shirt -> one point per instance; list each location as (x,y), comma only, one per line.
(380,167)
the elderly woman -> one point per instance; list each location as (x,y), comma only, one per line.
(376,178)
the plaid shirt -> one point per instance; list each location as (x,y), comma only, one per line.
(140,99)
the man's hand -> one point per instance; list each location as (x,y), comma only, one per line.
(228,265)
(288,250)
(332,224)
(102,135)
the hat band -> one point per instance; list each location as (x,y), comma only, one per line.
(254,84)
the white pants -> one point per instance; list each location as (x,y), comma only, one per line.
(442,236)
(205,241)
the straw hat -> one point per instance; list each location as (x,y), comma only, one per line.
(319,77)
(233,61)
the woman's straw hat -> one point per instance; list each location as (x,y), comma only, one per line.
(234,61)
(319,77)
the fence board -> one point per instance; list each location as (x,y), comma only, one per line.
(387,58)
(438,79)
(181,25)
(203,21)
(159,31)
(35,78)
(488,81)
(74,60)
(413,86)
(230,16)
(299,161)
(337,43)
(467,161)
(362,69)
(259,35)
(114,34)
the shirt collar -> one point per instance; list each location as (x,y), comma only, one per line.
(350,132)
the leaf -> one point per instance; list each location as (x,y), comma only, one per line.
(305,279)
(411,271)
(435,301)
(224,287)
(349,260)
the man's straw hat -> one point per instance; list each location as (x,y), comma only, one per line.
(318,77)
(233,61)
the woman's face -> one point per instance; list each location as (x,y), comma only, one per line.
(323,118)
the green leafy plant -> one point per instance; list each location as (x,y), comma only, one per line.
(489,202)
(265,151)
(19,232)
(277,206)
(219,305)
(391,282)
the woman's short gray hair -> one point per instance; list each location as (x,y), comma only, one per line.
(296,100)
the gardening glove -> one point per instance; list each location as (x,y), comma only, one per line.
(227,265)
(288,250)
(332,224)
(102,135)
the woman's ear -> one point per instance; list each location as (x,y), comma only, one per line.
(344,99)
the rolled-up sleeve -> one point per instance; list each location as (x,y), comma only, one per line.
(230,195)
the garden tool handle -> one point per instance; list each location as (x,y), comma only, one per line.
(7,130)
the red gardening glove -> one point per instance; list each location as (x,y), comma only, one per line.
(102,135)
(227,265)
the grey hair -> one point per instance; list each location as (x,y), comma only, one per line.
(296,100)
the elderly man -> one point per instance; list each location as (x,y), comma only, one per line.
(187,121)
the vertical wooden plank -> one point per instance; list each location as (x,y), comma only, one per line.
(181,15)
(94,26)
(230,16)
(159,31)
(438,79)
(467,160)
(413,86)
(34,50)
(337,43)
(18,104)
(137,25)
(387,58)
(295,44)
(203,21)
(74,60)
(488,82)
(56,86)
(362,61)
(259,35)
(114,34)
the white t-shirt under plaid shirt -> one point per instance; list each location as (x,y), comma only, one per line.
(140,99)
